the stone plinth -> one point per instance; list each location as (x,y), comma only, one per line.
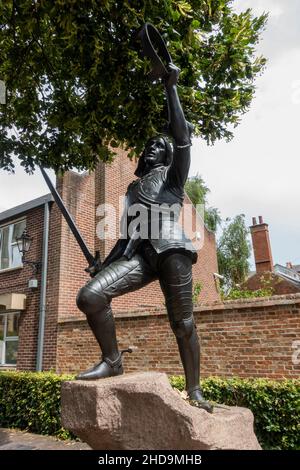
(142,411)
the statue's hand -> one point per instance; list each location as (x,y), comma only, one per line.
(96,267)
(93,270)
(173,74)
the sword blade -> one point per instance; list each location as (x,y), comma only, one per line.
(88,255)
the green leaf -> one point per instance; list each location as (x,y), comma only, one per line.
(76,82)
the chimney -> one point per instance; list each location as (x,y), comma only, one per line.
(261,245)
(289,265)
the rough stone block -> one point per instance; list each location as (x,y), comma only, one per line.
(142,411)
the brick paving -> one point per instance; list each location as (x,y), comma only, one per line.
(12,439)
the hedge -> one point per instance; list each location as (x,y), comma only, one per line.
(275,405)
(31,401)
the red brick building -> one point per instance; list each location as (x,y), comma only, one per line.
(19,305)
(282,279)
(41,327)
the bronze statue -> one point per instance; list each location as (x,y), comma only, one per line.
(135,261)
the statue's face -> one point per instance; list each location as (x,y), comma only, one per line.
(155,152)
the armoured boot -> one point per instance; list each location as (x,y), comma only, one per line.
(197,399)
(105,368)
(103,327)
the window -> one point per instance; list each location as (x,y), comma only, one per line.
(9,338)
(10,257)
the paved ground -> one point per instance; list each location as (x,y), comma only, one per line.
(11,439)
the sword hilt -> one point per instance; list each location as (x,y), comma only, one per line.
(96,265)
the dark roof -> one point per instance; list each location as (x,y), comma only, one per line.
(288,274)
(27,206)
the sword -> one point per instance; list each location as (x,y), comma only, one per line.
(93,261)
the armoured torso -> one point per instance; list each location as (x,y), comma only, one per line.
(157,201)
(154,188)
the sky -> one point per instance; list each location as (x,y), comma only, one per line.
(258,172)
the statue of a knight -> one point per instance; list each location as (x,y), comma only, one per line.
(167,255)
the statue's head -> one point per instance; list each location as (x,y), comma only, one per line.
(158,152)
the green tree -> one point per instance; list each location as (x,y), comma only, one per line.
(76,81)
(234,251)
(197,191)
(212,218)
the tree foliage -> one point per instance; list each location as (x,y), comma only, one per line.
(233,247)
(76,81)
(234,251)
(197,191)
(212,218)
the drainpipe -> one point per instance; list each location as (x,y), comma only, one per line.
(42,310)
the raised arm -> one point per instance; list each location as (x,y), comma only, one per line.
(178,124)
(180,166)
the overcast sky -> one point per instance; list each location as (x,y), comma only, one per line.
(258,172)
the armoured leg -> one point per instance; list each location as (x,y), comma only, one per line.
(176,283)
(100,319)
(188,345)
(94,299)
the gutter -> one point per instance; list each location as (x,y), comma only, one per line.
(42,309)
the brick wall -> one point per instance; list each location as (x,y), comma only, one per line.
(66,262)
(245,339)
(251,339)
(16,281)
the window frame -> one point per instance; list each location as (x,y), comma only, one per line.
(7,338)
(11,244)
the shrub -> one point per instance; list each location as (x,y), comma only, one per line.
(196,292)
(31,401)
(235,294)
(267,283)
(275,405)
